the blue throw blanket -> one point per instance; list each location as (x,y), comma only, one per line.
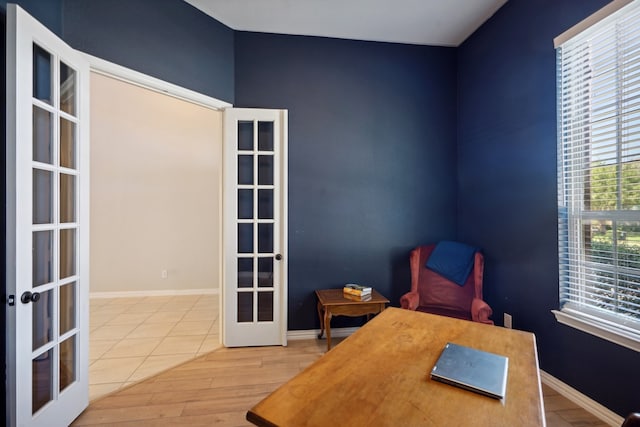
(452,260)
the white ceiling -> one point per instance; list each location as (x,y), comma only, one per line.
(425,22)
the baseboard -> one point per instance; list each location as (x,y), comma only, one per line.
(310,334)
(157,293)
(585,402)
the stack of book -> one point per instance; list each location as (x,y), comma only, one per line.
(353,291)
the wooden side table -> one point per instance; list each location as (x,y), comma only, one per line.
(332,302)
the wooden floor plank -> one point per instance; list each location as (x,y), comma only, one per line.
(213,394)
(122,401)
(146,388)
(229,404)
(135,413)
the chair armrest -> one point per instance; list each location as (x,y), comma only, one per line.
(632,420)
(410,300)
(480,311)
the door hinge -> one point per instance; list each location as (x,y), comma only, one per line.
(11,300)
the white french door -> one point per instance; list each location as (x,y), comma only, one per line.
(255,227)
(47,225)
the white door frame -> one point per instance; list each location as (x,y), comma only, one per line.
(127,75)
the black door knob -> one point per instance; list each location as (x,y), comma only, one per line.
(28,297)
(278,257)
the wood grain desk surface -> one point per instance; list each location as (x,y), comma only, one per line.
(379,376)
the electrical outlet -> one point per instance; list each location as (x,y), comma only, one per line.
(507,320)
(164,274)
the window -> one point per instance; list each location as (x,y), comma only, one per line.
(599,177)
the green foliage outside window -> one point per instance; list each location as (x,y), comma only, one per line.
(604,187)
(617,292)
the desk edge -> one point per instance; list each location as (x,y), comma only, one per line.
(256,419)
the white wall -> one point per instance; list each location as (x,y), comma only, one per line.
(155,190)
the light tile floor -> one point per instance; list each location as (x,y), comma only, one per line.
(134,338)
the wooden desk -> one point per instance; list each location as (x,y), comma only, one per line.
(379,376)
(332,302)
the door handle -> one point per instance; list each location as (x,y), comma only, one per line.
(278,257)
(28,297)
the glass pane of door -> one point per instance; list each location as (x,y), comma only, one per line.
(245,170)
(265,238)
(67,362)
(67,89)
(265,306)
(67,308)
(42,258)
(265,169)
(67,144)
(265,136)
(67,253)
(245,238)
(245,135)
(265,204)
(245,272)
(42,315)
(67,198)
(245,307)
(42,75)
(41,380)
(245,204)
(42,138)
(265,272)
(42,196)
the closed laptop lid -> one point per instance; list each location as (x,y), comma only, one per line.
(472,369)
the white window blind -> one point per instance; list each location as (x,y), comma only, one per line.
(599,172)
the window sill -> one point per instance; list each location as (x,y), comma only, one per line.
(601,328)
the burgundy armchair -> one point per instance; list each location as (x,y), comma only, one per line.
(432,293)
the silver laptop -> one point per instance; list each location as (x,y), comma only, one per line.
(471,369)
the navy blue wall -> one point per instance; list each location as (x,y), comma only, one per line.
(508,194)
(371,156)
(48,12)
(167,39)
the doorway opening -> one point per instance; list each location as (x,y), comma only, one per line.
(156,177)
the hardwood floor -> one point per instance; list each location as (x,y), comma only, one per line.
(561,412)
(218,388)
